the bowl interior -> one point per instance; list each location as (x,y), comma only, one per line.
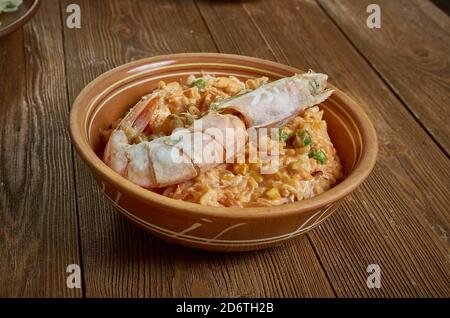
(117,100)
(112,94)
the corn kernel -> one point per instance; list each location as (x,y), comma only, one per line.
(296,166)
(273,194)
(258,178)
(228,176)
(161,84)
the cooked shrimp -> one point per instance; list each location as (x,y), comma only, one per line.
(222,131)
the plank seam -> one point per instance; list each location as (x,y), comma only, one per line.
(261,34)
(80,254)
(321,264)
(206,25)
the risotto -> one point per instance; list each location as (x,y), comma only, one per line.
(307,163)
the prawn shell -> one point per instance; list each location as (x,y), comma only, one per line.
(275,103)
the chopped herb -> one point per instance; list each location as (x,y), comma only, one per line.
(200,83)
(318,155)
(284,135)
(302,139)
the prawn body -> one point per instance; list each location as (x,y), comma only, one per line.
(217,137)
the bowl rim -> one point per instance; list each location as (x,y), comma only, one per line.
(22,20)
(359,173)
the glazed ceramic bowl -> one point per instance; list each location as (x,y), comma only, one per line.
(11,21)
(109,96)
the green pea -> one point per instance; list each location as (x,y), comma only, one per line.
(302,139)
(318,155)
(200,83)
(284,135)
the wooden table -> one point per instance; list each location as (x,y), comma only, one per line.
(52,214)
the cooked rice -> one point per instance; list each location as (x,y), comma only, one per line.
(307,167)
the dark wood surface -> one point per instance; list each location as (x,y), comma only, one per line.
(38,209)
(52,214)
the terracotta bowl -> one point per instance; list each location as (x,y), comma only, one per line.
(223,229)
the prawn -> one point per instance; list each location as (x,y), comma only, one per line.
(172,159)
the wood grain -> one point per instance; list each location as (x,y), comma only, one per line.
(411,51)
(123,261)
(399,218)
(444,5)
(38,224)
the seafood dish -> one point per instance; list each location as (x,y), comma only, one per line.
(225,142)
(222,152)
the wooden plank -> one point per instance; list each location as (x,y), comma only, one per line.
(411,51)
(399,217)
(38,224)
(444,5)
(121,260)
